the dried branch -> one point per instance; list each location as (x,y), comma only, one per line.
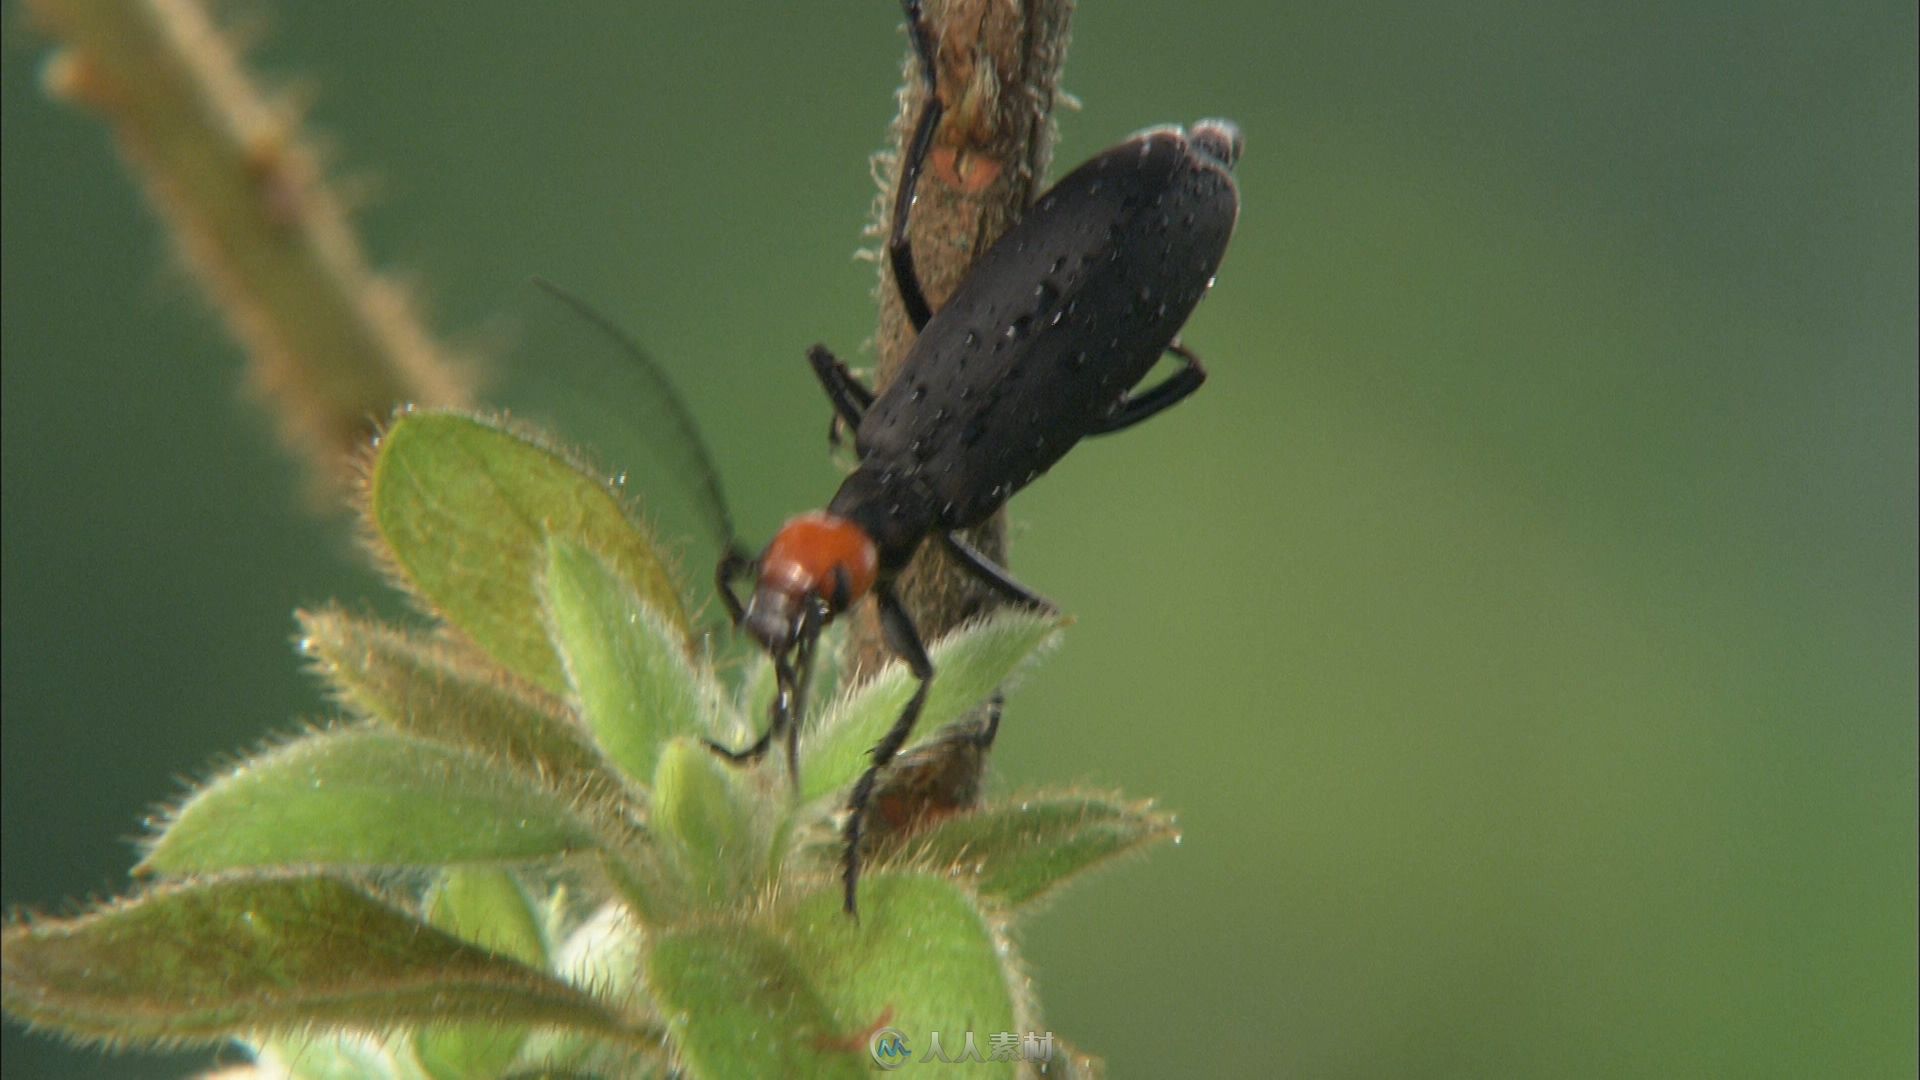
(331,345)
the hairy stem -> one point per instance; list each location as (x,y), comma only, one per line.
(332,346)
(999,75)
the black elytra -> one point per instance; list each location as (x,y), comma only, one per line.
(1044,338)
(1040,346)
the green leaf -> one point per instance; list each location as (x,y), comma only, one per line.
(740,1006)
(753,700)
(969,664)
(1015,852)
(447,694)
(230,956)
(365,798)
(464,508)
(487,907)
(628,667)
(921,958)
(705,811)
(804,995)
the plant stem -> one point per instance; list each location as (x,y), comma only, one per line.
(331,345)
(999,75)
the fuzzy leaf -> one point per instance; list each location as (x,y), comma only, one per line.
(628,667)
(217,958)
(1015,852)
(486,906)
(805,996)
(742,1007)
(464,508)
(703,809)
(446,694)
(364,798)
(753,701)
(921,958)
(968,665)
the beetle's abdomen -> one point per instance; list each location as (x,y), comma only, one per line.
(1057,321)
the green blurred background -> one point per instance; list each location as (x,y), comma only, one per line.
(1522,622)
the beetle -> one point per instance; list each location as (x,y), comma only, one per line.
(1040,345)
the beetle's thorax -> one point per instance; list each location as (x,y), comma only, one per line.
(889,501)
(817,566)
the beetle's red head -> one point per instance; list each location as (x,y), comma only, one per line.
(816,563)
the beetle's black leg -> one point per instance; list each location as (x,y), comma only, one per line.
(904,640)
(984,737)
(992,574)
(734,564)
(750,753)
(849,396)
(792,687)
(1137,407)
(803,688)
(779,720)
(899,253)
